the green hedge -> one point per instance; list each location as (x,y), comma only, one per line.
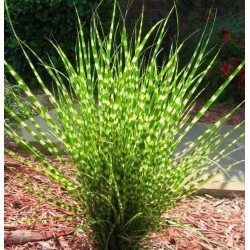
(229,34)
(35,21)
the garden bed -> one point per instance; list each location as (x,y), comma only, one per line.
(217,111)
(198,222)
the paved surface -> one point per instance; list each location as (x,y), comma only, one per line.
(222,184)
(234,179)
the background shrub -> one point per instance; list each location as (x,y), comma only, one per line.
(10,92)
(36,20)
(228,32)
(193,16)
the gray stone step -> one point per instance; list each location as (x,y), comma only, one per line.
(232,181)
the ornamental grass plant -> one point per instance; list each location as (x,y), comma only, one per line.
(120,118)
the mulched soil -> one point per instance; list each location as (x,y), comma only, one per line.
(204,222)
(219,110)
(198,222)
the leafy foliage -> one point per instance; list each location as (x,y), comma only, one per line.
(123,137)
(10,93)
(229,34)
(37,21)
(232,35)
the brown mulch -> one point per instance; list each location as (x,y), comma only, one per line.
(25,211)
(198,222)
(204,223)
(217,111)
